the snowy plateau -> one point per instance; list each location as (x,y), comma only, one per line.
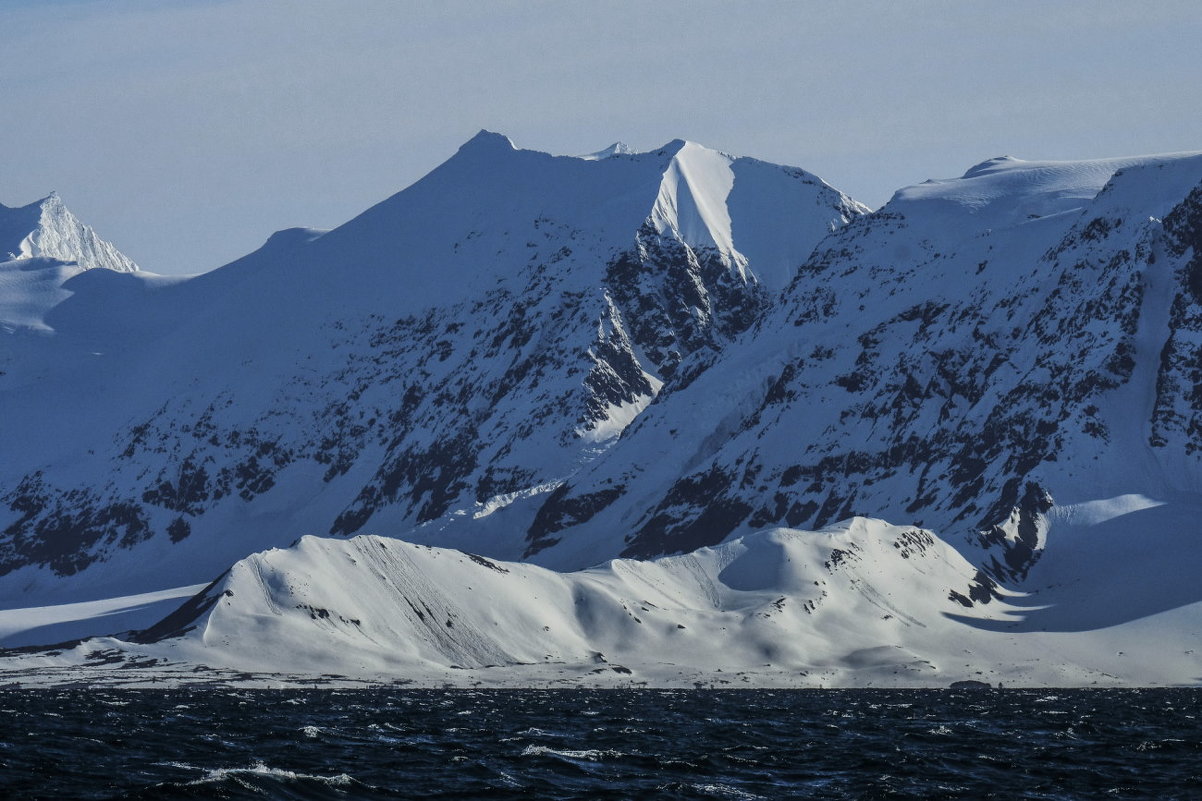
(673,418)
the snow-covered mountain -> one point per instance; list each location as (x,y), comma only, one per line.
(46,229)
(976,351)
(43,245)
(44,248)
(557,361)
(472,340)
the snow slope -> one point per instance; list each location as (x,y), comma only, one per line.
(53,624)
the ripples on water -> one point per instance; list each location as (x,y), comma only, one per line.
(588,744)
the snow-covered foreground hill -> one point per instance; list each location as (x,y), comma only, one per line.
(862,603)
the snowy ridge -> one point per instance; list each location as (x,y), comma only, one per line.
(691,201)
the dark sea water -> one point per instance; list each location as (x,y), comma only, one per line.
(585,744)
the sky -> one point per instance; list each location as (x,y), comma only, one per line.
(186,132)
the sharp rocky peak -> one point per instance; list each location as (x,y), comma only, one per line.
(46,228)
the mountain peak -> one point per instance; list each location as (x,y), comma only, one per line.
(675,146)
(485,141)
(616,149)
(46,228)
(989,165)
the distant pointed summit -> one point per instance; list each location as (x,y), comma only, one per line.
(46,228)
(616,149)
(486,141)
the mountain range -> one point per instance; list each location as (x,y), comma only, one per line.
(653,406)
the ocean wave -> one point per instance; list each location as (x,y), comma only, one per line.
(710,790)
(262,771)
(590,755)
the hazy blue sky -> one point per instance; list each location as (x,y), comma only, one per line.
(187,131)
